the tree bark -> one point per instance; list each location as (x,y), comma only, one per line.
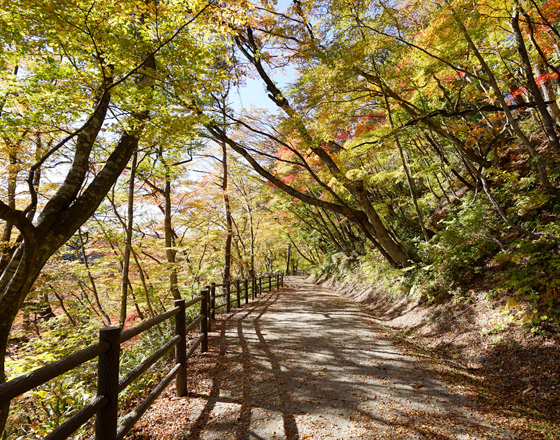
(288,257)
(409,181)
(5,241)
(229,221)
(106,318)
(170,251)
(128,241)
(389,247)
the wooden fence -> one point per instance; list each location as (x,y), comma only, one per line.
(107,350)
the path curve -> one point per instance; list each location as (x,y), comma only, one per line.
(305,363)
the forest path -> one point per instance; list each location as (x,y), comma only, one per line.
(305,363)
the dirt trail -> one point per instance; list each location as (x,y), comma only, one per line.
(306,363)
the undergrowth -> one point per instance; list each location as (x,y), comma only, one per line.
(471,251)
(36,413)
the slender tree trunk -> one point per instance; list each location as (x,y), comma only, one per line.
(251,245)
(541,168)
(345,231)
(106,318)
(288,257)
(310,259)
(83,286)
(548,88)
(136,304)
(144,283)
(229,221)
(128,241)
(543,64)
(411,185)
(8,227)
(532,85)
(340,244)
(63,306)
(323,213)
(170,250)
(445,162)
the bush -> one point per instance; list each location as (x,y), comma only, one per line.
(531,273)
(42,409)
(460,250)
(39,411)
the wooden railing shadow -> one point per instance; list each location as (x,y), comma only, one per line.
(109,383)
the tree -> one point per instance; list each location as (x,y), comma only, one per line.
(66,92)
(159,177)
(366,216)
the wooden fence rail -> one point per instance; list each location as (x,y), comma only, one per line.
(107,351)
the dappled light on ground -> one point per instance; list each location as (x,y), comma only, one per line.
(304,363)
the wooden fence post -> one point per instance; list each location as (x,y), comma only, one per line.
(181,348)
(204,323)
(246,285)
(260,284)
(213,301)
(269,282)
(277,280)
(238,285)
(228,296)
(108,384)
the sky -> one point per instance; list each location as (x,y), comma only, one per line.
(253,93)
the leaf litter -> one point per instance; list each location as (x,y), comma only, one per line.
(306,363)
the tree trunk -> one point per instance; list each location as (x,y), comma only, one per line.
(128,241)
(8,227)
(144,283)
(252,273)
(539,164)
(229,221)
(377,231)
(170,250)
(288,255)
(63,306)
(106,318)
(409,181)
(548,121)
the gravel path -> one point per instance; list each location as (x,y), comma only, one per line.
(306,363)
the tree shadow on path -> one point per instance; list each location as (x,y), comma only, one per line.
(305,363)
